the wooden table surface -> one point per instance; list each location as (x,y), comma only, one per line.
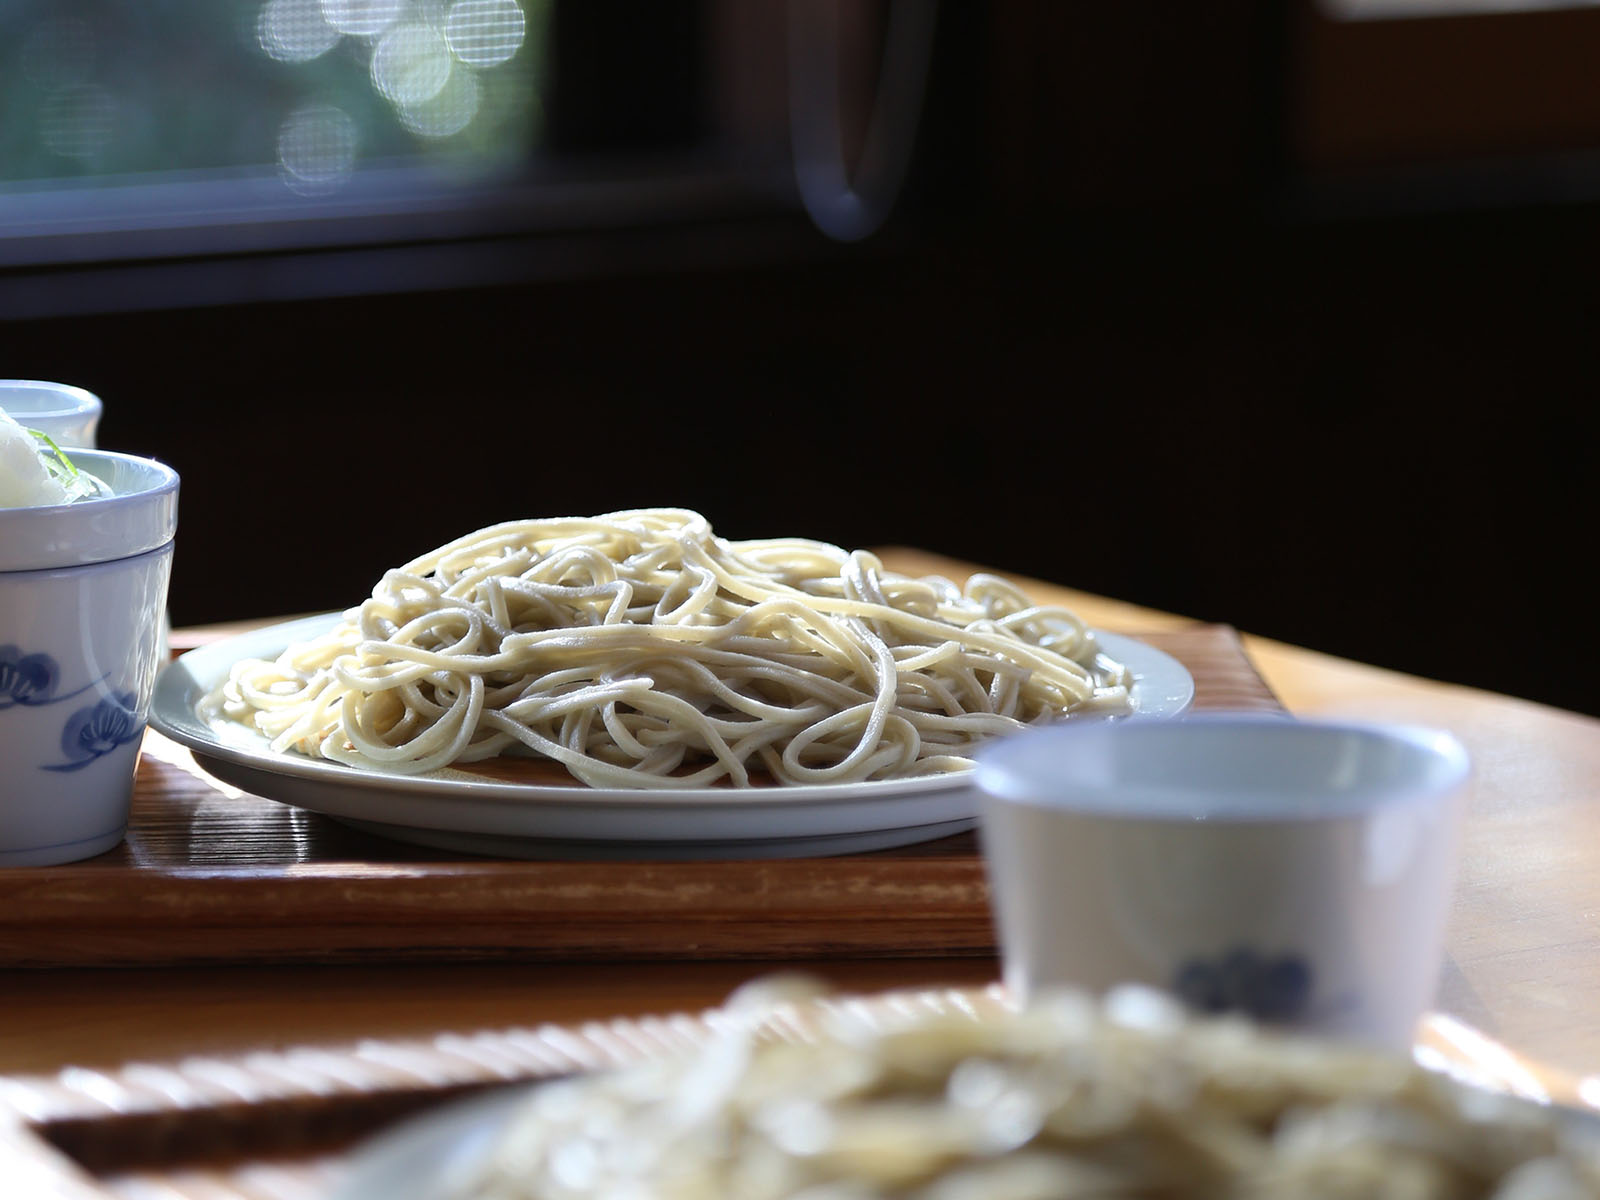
(1524,948)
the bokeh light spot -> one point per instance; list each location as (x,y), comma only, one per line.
(362,18)
(483,33)
(411,64)
(78,121)
(317,147)
(295,30)
(448,112)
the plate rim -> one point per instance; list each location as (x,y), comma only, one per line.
(501,817)
(180,684)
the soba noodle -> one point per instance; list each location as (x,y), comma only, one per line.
(638,649)
(956,1096)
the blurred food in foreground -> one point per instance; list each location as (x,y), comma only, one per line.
(1067,1097)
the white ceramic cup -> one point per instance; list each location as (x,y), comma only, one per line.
(1298,872)
(83,590)
(69,415)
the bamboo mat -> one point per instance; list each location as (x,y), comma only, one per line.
(285,1125)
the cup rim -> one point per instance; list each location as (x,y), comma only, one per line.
(998,784)
(164,479)
(85,401)
(95,528)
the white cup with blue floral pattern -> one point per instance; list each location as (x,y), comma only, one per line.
(1297,872)
(83,591)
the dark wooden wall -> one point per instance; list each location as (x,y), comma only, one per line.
(1129,333)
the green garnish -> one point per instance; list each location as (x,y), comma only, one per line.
(56,462)
(77,484)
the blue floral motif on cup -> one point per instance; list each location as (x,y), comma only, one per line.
(1243,980)
(26,679)
(98,730)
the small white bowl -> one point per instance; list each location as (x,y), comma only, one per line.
(1298,872)
(69,415)
(83,590)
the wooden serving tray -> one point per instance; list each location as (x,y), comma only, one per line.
(210,874)
(282,1125)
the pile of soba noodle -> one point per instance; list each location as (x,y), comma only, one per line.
(911,1098)
(640,650)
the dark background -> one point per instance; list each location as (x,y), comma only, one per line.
(1218,307)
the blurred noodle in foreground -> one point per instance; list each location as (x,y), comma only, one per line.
(1070,1097)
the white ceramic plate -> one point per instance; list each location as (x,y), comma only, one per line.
(456,811)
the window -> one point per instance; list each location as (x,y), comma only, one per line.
(120,118)
(178,133)
(308,89)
